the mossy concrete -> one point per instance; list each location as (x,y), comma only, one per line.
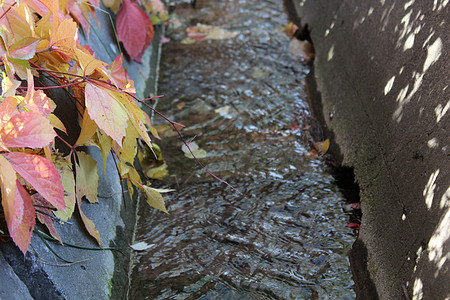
(381,68)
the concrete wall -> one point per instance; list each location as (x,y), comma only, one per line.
(382,68)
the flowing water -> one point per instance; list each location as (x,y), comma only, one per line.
(284,236)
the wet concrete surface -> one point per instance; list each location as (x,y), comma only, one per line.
(284,235)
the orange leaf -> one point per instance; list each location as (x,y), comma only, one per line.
(65,37)
(109,114)
(22,231)
(41,174)
(134,29)
(27,129)
(87,61)
(37,101)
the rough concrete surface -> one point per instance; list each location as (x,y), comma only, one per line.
(382,68)
(96,274)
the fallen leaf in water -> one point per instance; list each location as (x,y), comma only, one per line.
(157,173)
(198,153)
(141,246)
(207,32)
(313,154)
(223,111)
(301,49)
(181,105)
(353,225)
(322,147)
(290,29)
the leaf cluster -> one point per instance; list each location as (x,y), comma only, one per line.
(40,38)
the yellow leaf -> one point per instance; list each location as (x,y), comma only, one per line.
(86,177)
(56,122)
(157,173)
(90,226)
(65,37)
(68,182)
(105,145)
(8,187)
(154,198)
(322,147)
(88,128)
(128,151)
(87,62)
(114,5)
(106,109)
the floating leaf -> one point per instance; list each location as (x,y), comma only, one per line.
(322,147)
(141,246)
(158,173)
(134,29)
(41,174)
(196,151)
(154,198)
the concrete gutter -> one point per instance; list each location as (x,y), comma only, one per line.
(97,274)
(381,68)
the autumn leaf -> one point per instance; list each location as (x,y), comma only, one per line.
(154,198)
(88,224)
(41,174)
(322,147)
(21,231)
(109,114)
(86,177)
(8,188)
(88,128)
(68,182)
(119,76)
(9,86)
(37,101)
(23,49)
(64,37)
(134,29)
(26,129)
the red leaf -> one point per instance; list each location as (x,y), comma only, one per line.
(41,174)
(22,230)
(134,29)
(353,225)
(26,129)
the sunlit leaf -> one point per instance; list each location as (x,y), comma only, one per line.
(41,174)
(157,173)
(23,49)
(65,36)
(22,231)
(37,101)
(8,189)
(27,129)
(109,114)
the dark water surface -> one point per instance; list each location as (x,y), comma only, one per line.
(284,237)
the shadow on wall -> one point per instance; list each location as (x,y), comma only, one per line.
(397,81)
